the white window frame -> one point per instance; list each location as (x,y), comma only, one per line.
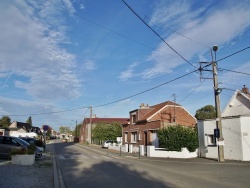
(133,137)
(211,140)
(125,137)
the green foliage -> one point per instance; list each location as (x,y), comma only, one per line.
(23,151)
(206,112)
(29,120)
(76,132)
(173,138)
(5,122)
(64,129)
(104,131)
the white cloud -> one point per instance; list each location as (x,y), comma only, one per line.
(82,6)
(89,65)
(217,27)
(31,49)
(129,73)
(69,6)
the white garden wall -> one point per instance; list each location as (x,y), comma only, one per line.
(184,153)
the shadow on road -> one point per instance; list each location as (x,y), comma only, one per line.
(110,174)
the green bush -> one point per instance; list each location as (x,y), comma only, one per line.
(23,151)
(173,138)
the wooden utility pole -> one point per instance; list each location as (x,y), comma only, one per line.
(90,122)
(217,91)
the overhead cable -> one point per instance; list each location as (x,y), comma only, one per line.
(234,71)
(146,90)
(113,101)
(233,54)
(158,34)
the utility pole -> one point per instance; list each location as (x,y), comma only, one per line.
(76,129)
(90,124)
(217,91)
(174,107)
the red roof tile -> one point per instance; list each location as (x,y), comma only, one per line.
(156,108)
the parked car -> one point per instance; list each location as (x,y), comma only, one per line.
(106,143)
(38,143)
(8,143)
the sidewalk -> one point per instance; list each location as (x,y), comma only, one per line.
(40,175)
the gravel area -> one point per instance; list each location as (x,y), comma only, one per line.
(28,176)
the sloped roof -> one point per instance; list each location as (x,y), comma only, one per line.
(107,120)
(237,107)
(26,126)
(156,108)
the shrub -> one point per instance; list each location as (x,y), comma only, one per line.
(173,138)
(23,151)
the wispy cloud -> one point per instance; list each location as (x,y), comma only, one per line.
(89,65)
(129,72)
(216,26)
(34,51)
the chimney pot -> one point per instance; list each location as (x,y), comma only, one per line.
(245,89)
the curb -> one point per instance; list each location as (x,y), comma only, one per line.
(58,179)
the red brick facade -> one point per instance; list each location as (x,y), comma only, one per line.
(144,122)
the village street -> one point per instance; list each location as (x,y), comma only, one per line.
(91,166)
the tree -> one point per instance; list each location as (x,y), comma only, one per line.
(29,120)
(76,132)
(206,112)
(64,129)
(106,131)
(5,121)
(173,138)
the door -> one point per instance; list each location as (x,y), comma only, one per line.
(154,139)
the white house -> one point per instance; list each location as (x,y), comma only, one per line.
(235,129)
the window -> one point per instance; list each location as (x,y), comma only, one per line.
(211,140)
(134,137)
(126,137)
(133,119)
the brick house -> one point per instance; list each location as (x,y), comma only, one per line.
(147,120)
(88,123)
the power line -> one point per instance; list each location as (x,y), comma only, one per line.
(192,91)
(233,54)
(113,101)
(158,34)
(182,35)
(145,90)
(234,71)
(36,114)
(105,28)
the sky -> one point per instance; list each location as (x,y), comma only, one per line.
(59,57)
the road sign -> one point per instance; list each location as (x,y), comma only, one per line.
(45,127)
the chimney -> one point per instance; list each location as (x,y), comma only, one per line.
(245,89)
(143,106)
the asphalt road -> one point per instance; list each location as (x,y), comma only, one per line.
(88,166)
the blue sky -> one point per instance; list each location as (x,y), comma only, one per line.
(58,57)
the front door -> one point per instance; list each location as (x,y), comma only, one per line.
(154,139)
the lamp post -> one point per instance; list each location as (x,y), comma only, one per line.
(217,91)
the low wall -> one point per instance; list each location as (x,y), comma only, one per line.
(123,148)
(159,152)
